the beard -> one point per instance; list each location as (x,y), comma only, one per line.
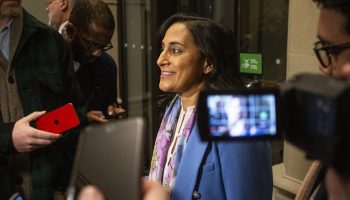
(11,10)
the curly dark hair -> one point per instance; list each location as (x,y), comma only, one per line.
(85,12)
(341,6)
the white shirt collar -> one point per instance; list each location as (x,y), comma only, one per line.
(62,26)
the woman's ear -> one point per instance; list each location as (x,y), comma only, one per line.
(69,32)
(208,67)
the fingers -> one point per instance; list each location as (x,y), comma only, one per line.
(39,143)
(96,116)
(33,116)
(39,139)
(153,190)
(26,138)
(145,186)
(39,134)
(119,110)
(97,119)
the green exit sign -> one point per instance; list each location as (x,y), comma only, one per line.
(251,63)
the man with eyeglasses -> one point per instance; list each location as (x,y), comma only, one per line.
(333,53)
(89,32)
(58,12)
(333,47)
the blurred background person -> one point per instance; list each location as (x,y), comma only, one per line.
(235,120)
(218,116)
(58,12)
(333,53)
(333,32)
(197,54)
(36,73)
(89,32)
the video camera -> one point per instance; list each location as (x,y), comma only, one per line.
(310,111)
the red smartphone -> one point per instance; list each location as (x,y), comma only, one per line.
(58,120)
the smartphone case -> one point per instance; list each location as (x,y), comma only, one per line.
(58,120)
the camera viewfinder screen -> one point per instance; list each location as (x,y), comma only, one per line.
(242,115)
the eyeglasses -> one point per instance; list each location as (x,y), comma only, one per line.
(324,52)
(91,46)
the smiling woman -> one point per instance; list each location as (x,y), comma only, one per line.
(198,54)
(183,68)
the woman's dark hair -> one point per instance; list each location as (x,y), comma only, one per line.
(216,43)
(341,6)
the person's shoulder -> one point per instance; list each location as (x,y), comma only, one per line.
(106,61)
(33,24)
(106,58)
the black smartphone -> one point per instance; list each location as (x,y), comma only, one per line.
(239,114)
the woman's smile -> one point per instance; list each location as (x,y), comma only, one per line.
(166,74)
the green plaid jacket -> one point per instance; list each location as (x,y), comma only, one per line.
(45,81)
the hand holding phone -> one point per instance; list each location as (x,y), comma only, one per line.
(59,120)
(96,116)
(25,138)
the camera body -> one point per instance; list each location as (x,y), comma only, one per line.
(310,111)
(316,113)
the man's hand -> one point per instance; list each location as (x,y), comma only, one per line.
(96,116)
(26,138)
(152,190)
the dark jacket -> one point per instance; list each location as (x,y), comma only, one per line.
(45,81)
(97,81)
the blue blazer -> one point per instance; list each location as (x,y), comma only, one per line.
(224,170)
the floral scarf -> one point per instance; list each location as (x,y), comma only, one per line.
(163,141)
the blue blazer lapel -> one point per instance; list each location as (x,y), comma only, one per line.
(189,166)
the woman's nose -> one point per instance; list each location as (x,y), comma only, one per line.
(162,59)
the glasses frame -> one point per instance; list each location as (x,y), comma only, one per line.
(330,50)
(91,46)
